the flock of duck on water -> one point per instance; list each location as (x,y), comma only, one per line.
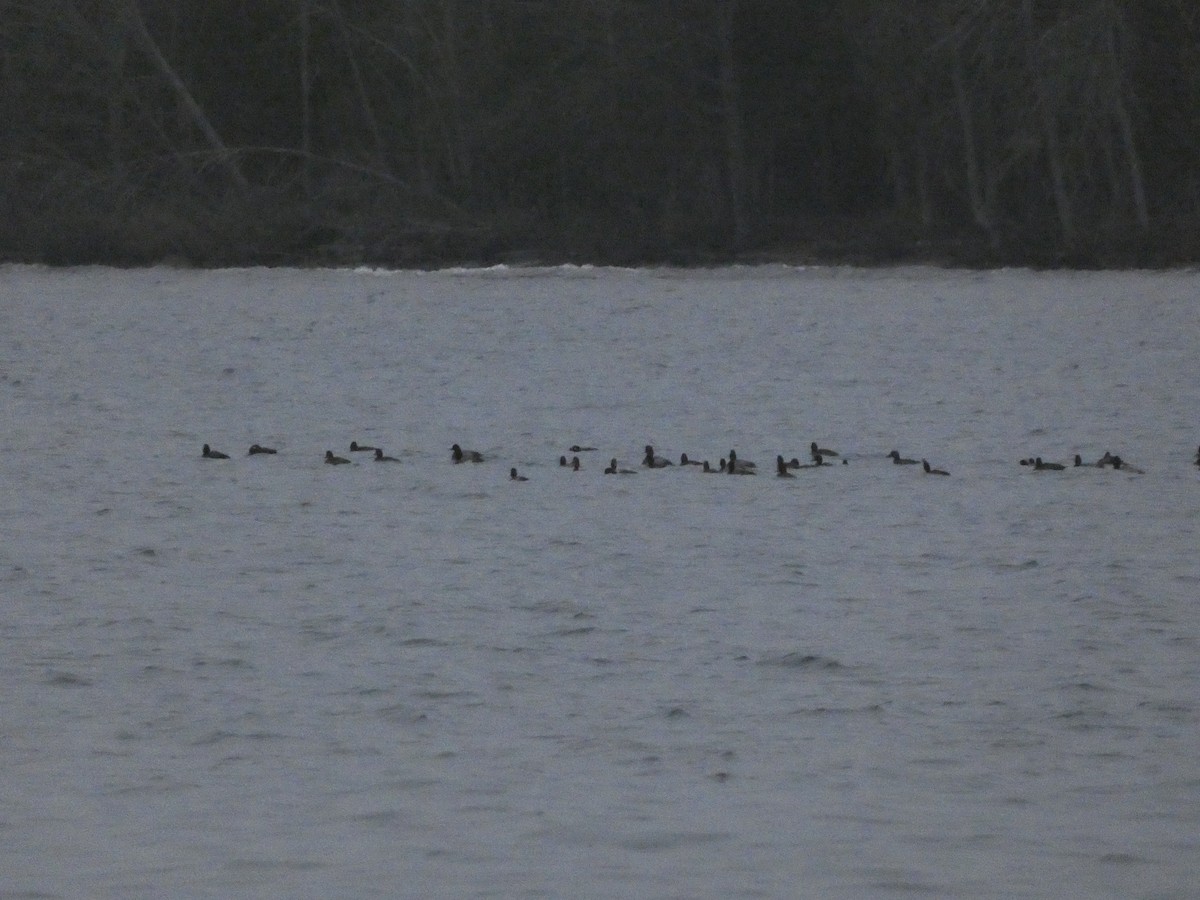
(733,465)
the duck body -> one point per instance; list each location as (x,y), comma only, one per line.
(332,460)
(929,470)
(1040,466)
(651,461)
(381,457)
(1120,465)
(899,460)
(459,455)
(614,469)
(356,447)
(816,451)
(258,449)
(740,466)
(575,448)
(513,476)
(684,461)
(208,452)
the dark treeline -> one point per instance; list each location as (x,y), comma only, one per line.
(415,132)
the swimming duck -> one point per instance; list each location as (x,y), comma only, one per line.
(574,463)
(458,454)
(575,448)
(1040,466)
(356,447)
(208,452)
(379,457)
(513,476)
(819,451)
(781,468)
(655,462)
(740,466)
(736,466)
(614,470)
(332,460)
(1105,460)
(256,449)
(562,461)
(899,460)
(684,461)
(1118,463)
(932,471)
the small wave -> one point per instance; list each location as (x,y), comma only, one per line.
(798,660)
(68,679)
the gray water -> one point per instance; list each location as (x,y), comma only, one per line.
(270,677)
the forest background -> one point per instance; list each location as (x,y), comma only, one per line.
(433,132)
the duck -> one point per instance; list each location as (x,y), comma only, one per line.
(513,476)
(930,470)
(575,448)
(208,452)
(613,469)
(256,449)
(1118,463)
(380,457)
(781,468)
(736,467)
(709,470)
(332,460)
(1080,463)
(655,462)
(684,461)
(1105,460)
(819,451)
(458,454)
(574,463)
(562,461)
(899,460)
(356,447)
(1040,466)
(740,466)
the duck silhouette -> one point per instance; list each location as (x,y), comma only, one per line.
(651,461)
(459,455)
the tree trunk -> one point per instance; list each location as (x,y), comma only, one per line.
(142,36)
(1047,108)
(731,119)
(980,210)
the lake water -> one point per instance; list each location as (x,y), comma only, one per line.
(270,677)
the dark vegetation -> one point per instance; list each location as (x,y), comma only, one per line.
(428,132)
